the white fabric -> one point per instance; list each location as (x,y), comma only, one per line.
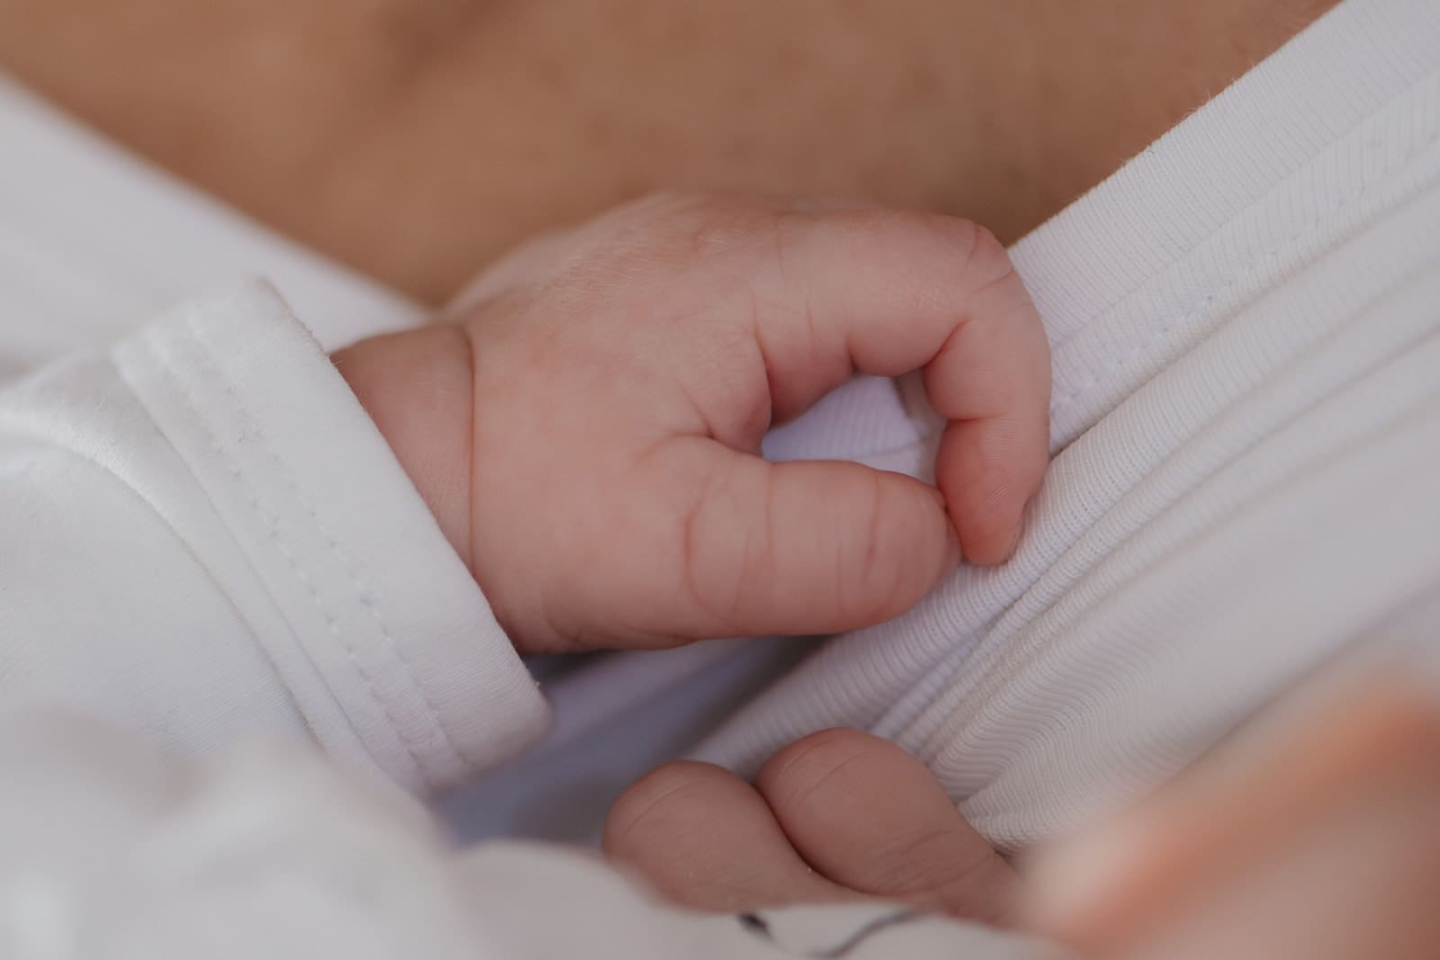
(1246,334)
(1236,317)
(109,853)
(183,557)
(1246,324)
(94,241)
(1243,322)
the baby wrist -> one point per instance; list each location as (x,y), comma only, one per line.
(417,386)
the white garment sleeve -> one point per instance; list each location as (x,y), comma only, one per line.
(204,537)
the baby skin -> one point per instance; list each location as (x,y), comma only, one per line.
(1320,840)
(835,816)
(586,431)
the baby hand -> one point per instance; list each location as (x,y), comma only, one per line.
(836,816)
(588,429)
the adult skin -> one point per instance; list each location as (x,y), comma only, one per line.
(417,139)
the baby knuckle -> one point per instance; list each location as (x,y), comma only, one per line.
(879,577)
(799,772)
(674,787)
(991,276)
(956,238)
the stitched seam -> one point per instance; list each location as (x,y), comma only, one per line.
(1250,269)
(1304,164)
(1063,401)
(144,498)
(272,522)
(363,593)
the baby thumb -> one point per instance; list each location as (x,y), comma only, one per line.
(813,547)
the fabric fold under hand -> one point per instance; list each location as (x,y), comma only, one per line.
(389,647)
(1150,289)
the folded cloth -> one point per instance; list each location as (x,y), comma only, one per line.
(1245,323)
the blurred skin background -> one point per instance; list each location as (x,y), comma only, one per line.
(417,139)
